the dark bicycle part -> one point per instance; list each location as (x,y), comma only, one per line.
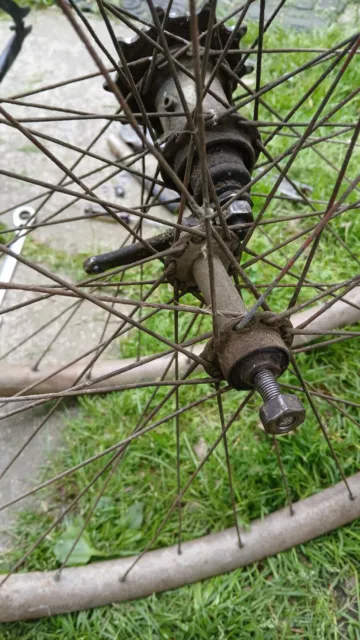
(131,253)
(127,255)
(177,27)
(14,45)
(168,197)
(86,7)
(119,191)
(164,196)
(231,152)
(286,189)
(238,212)
(129,218)
(231,147)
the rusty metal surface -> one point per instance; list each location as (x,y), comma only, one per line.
(232,149)
(38,594)
(177,26)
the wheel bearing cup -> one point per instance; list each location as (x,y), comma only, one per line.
(243,353)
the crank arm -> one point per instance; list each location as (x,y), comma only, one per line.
(127,255)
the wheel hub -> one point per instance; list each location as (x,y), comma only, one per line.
(232,146)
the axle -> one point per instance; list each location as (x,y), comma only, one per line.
(251,359)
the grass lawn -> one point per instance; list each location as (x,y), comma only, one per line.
(310,592)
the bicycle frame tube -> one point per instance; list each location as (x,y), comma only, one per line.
(13,47)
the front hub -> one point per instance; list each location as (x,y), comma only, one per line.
(254,355)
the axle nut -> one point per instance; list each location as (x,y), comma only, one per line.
(239,212)
(282,414)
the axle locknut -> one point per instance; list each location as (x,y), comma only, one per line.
(282,413)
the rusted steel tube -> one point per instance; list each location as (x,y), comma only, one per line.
(14,377)
(228,299)
(38,594)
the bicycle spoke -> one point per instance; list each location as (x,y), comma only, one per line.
(180,124)
(333,197)
(283,475)
(114,447)
(228,466)
(187,485)
(59,519)
(259,57)
(322,426)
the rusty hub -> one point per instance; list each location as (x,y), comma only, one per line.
(256,355)
(231,146)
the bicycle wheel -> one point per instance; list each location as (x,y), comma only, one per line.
(154,357)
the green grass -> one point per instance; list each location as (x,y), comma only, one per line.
(54,259)
(297,594)
(34,4)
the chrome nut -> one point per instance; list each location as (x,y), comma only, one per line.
(282,414)
(239,207)
(239,212)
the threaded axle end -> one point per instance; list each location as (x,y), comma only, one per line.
(266,384)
